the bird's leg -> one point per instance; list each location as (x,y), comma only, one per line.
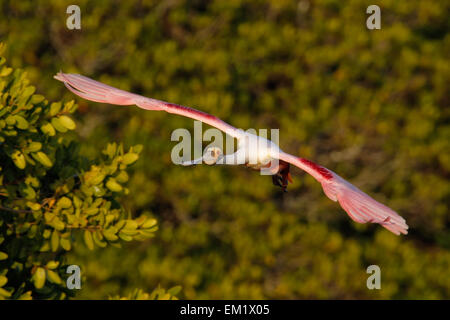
(282,176)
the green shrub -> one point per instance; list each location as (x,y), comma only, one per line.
(50,196)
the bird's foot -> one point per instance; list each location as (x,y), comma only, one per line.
(283,176)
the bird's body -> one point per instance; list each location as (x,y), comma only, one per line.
(252,151)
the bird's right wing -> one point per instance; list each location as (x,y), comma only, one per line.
(99,92)
(358,205)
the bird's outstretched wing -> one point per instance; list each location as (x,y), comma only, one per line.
(99,92)
(359,206)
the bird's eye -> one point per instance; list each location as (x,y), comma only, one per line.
(213,153)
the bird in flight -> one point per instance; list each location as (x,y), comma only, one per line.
(252,150)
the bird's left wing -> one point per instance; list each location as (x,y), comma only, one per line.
(99,92)
(358,205)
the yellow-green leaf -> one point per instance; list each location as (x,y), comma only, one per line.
(125,237)
(65,244)
(64,203)
(3,280)
(129,158)
(36,98)
(54,241)
(110,235)
(57,224)
(28,91)
(10,120)
(88,239)
(34,146)
(33,206)
(48,129)
(39,278)
(43,159)
(149,223)
(21,122)
(26,296)
(5,71)
(53,277)
(52,264)
(58,125)
(131,224)
(19,159)
(97,239)
(122,177)
(112,185)
(174,290)
(55,108)
(67,122)
(4,293)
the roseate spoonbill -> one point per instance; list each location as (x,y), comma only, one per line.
(359,206)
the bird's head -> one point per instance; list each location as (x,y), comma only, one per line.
(212,155)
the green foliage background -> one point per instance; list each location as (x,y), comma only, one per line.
(52,198)
(372,106)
